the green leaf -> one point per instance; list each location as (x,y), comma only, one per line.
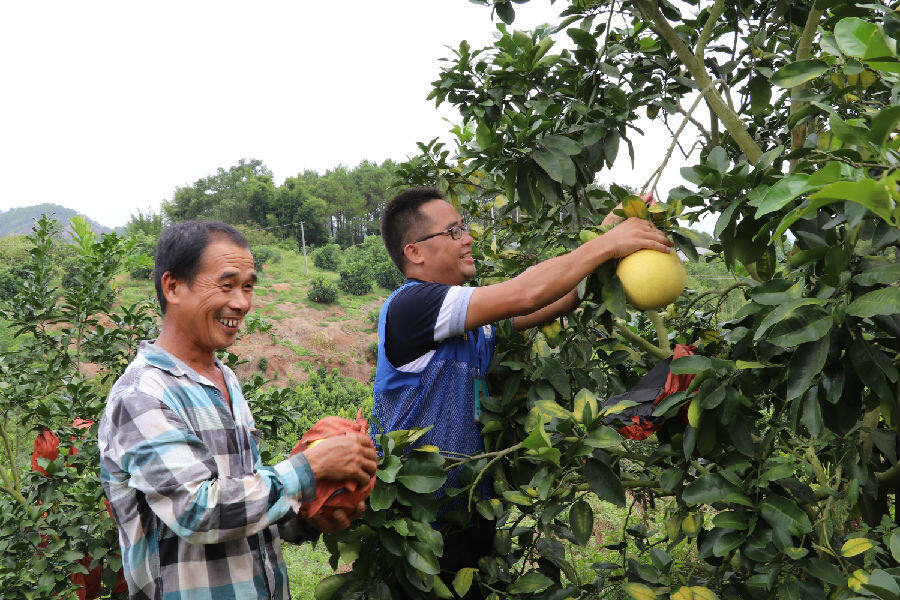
(783,513)
(560,143)
(855,546)
(505,11)
(582,38)
(885,301)
(861,39)
(727,542)
(718,160)
(807,362)
(798,72)
(463,581)
(884,124)
(326,588)
(874,273)
(422,476)
(484,136)
(894,544)
(604,482)
(782,192)
(422,558)
(387,472)
(713,488)
(530,583)
(581,522)
(382,496)
(806,325)
(538,437)
(554,372)
(639,591)
(824,570)
(613,295)
(846,132)
(556,164)
(603,437)
(690,364)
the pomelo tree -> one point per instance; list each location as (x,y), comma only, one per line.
(782,480)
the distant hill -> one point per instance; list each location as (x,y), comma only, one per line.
(17,221)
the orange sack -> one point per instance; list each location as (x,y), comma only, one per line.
(332,495)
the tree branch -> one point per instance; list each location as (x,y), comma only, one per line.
(637,340)
(698,71)
(804,51)
(708,27)
(659,170)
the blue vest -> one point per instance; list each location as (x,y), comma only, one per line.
(442,395)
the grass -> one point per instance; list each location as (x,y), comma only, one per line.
(306,566)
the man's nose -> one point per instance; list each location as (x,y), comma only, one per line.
(240,300)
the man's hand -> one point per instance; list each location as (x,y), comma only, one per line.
(632,235)
(338,521)
(351,456)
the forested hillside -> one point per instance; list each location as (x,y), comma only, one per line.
(343,203)
(18,221)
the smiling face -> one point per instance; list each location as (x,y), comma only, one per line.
(208,311)
(444,260)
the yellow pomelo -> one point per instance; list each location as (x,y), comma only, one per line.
(313,443)
(651,279)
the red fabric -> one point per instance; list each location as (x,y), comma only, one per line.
(90,583)
(46,445)
(641,429)
(332,495)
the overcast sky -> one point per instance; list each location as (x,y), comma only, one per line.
(109,106)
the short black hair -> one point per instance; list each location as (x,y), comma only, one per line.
(401,217)
(180,247)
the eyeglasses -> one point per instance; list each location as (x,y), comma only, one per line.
(454,232)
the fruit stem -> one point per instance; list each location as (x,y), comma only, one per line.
(643,344)
(662,334)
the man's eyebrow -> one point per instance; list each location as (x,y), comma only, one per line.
(231,274)
(455,223)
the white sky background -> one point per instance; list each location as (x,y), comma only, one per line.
(109,106)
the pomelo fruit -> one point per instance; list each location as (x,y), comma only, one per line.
(651,279)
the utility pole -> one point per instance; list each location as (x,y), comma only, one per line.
(303,241)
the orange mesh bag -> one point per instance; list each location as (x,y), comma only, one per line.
(332,495)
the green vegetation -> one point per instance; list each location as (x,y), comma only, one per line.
(322,290)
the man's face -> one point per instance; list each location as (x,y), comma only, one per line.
(446,260)
(211,308)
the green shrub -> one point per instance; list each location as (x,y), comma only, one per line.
(262,364)
(284,414)
(327,257)
(9,281)
(322,290)
(254,322)
(263,255)
(356,278)
(388,276)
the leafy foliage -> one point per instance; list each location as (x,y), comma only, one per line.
(792,423)
(51,523)
(356,276)
(323,290)
(327,257)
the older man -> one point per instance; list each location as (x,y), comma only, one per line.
(197,512)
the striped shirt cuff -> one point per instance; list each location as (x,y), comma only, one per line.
(297,477)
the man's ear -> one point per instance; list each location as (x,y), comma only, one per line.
(169,286)
(412,254)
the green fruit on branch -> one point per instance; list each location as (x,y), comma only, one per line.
(651,279)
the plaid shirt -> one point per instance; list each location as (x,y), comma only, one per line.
(196,509)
